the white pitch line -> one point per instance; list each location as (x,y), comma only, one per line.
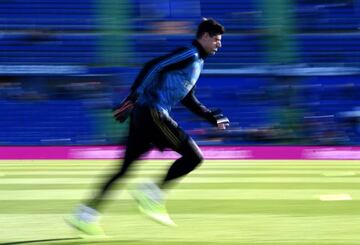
(183,194)
(188,179)
(92,173)
(339,173)
(336,197)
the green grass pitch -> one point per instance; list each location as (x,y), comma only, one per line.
(245,202)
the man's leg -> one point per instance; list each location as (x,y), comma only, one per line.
(137,144)
(170,135)
(133,152)
(191,157)
(86,217)
(166,133)
(150,196)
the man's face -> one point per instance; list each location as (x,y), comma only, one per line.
(211,44)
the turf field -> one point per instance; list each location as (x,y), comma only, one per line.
(222,202)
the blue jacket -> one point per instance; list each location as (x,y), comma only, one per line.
(167,80)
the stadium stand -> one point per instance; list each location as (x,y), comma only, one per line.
(71,34)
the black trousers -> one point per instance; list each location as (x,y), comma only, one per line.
(149,128)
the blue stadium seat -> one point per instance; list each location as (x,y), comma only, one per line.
(53,15)
(34,123)
(49,49)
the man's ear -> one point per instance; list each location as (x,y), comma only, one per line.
(206,35)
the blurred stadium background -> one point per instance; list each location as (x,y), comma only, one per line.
(288,72)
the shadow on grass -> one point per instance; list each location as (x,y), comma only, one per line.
(75,240)
(41,241)
(78,241)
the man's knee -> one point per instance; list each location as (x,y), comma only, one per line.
(194,160)
(197,158)
(193,154)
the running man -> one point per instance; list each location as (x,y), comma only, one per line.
(161,84)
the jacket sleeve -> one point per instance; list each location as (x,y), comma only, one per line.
(194,105)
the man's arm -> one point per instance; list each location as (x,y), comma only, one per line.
(215,117)
(173,60)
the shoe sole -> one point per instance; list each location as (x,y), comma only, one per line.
(83,233)
(135,195)
(153,218)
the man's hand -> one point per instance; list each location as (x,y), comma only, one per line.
(219,119)
(223,122)
(123,110)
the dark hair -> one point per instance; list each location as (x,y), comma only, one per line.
(210,26)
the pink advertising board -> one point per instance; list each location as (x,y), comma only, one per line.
(209,152)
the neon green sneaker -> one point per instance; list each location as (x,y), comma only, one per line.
(150,202)
(86,220)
